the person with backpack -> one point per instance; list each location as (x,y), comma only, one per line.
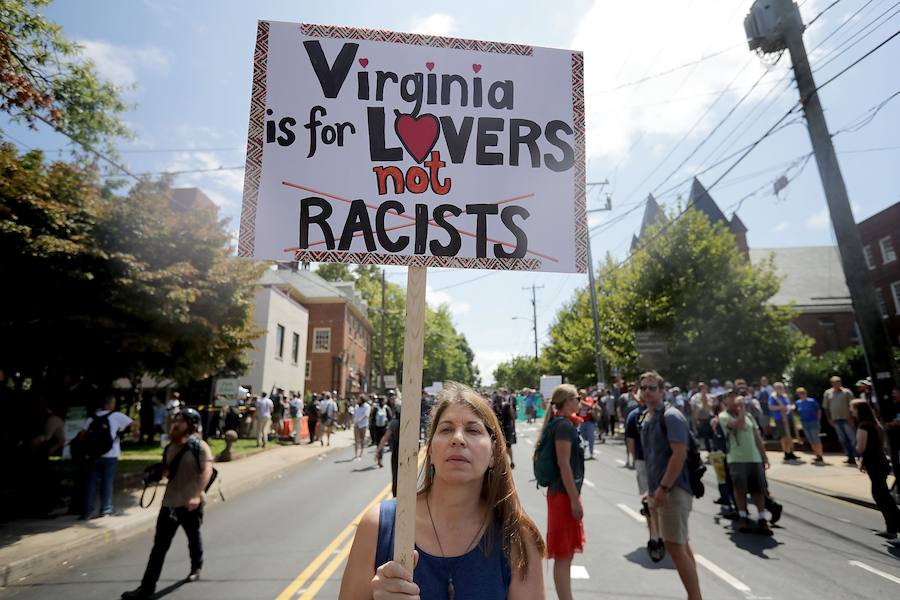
(99,443)
(666,439)
(328,410)
(381,416)
(187,462)
(559,466)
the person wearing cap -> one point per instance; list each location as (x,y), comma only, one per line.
(836,403)
(187,462)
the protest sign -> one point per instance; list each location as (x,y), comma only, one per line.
(380,147)
(377,147)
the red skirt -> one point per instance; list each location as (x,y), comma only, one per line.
(565,535)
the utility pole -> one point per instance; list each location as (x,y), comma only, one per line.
(595,313)
(381,342)
(534,289)
(773,26)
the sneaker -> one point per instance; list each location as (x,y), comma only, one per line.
(139,593)
(776,510)
(762,528)
(730,514)
(656,549)
(850,461)
(194,575)
(722,501)
(819,460)
(745,525)
(888,535)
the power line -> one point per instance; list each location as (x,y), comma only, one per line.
(822,12)
(672,70)
(843,48)
(858,60)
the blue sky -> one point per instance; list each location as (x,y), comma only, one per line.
(190,64)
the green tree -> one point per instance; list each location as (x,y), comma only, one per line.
(447,352)
(43,78)
(113,286)
(518,372)
(690,285)
(814,372)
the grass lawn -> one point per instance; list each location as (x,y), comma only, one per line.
(136,457)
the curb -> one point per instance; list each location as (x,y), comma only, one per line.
(89,545)
(822,492)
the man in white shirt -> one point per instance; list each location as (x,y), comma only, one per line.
(103,464)
(264,407)
(360,424)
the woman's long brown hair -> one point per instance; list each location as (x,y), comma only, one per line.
(498,489)
(865,414)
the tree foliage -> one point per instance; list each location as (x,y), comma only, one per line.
(519,372)
(43,78)
(103,286)
(691,286)
(814,372)
(448,355)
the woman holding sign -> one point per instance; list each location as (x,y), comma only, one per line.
(473,538)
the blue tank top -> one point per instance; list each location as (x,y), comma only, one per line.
(475,574)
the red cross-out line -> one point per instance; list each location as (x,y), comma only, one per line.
(407,217)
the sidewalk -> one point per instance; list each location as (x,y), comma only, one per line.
(30,547)
(834,479)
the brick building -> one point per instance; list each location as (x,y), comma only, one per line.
(880,235)
(339,340)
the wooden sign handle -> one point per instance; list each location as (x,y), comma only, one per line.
(407,475)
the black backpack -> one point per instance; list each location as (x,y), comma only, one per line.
(693,461)
(98,439)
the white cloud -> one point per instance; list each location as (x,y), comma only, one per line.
(625,41)
(487,361)
(819,220)
(120,64)
(224,187)
(781,227)
(434,24)
(435,299)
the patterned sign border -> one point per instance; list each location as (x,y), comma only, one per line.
(253,170)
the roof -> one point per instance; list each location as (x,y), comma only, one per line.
(737,226)
(651,214)
(700,199)
(811,277)
(313,289)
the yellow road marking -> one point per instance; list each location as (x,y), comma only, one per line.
(320,580)
(311,568)
(293,587)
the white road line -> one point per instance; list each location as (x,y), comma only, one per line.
(529,441)
(578,572)
(723,574)
(887,576)
(632,513)
(589,483)
(620,461)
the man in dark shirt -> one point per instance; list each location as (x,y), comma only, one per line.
(633,422)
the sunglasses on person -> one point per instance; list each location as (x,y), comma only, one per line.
(649,387)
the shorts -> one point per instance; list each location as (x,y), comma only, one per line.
(748,477)
(672,518)
(565,535)
(640,469)
(781,428)
(811,431)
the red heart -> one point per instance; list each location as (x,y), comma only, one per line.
(418,134)
(364,62)
(476,67)
(429,65)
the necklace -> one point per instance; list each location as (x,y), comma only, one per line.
(451,593)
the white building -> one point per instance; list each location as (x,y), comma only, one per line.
(278,358)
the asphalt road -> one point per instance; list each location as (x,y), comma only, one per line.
(289,539)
